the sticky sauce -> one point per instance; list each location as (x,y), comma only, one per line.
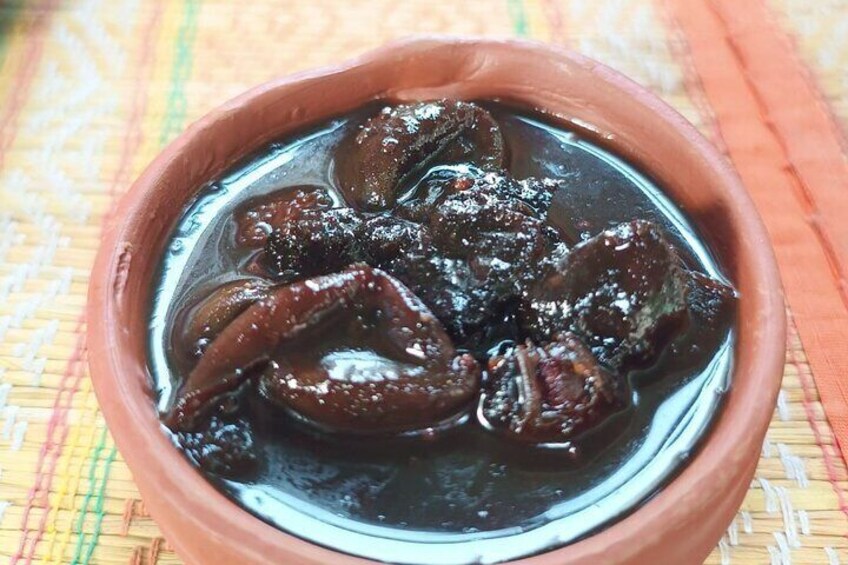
(462,494)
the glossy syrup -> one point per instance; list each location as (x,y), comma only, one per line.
(465,495)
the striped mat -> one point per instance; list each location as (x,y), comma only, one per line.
(91,90)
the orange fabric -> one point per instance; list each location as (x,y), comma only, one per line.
(788,152)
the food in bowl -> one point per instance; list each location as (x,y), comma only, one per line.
(442,324)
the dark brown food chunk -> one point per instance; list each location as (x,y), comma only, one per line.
(259,217)
(494,231)
(535,195)
(487,243)
(712,306)
(374,164)
(463,301)
(385,238)
(621,291)
(549,394)
(317,242)
(438,183)
(206,320)
(383,362)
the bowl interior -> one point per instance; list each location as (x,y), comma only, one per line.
(485,498)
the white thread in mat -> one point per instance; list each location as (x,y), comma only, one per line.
(782,548)
(747,523)
(14,430)
(804,521)
(4,504)
(832,556)
(105,44)
(8,235)
(782,406)
(771,498)
(5,388)
(18,435)
(27,352)
(793,465)
(13,282)
(774,555)
(36,369)
(790,528)
(74,201)
(733,533)
(83,85)
(10,414)
(25,310)
(766,450)
(51,329)
(65,280)
(724,551)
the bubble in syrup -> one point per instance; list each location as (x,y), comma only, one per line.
(176,247)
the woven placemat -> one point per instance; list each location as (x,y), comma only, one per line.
(90,90)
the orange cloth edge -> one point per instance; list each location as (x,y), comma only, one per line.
(801,122)
(786,150)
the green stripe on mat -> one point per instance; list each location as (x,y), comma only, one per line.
(173,123)
(8,16)
(92,473)
(177,104)
(98,506)
(519,19)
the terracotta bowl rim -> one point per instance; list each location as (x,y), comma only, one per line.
(160,468)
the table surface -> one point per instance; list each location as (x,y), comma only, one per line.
(91,90)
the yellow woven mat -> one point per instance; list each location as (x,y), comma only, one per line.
(90,90)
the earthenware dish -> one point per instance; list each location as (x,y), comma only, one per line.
(681,523)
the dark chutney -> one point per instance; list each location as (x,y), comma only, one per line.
(445,325)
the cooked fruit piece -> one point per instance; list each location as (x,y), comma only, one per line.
(481,225)
(257,218)
(206,320)
(317,242)
(385,238)
(622,291)
(374,164)
(549,394)
(383,362)
(534,195)
(464,301)
(438,183)
(712,306)
(487,243)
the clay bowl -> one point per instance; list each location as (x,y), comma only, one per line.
(681,523)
